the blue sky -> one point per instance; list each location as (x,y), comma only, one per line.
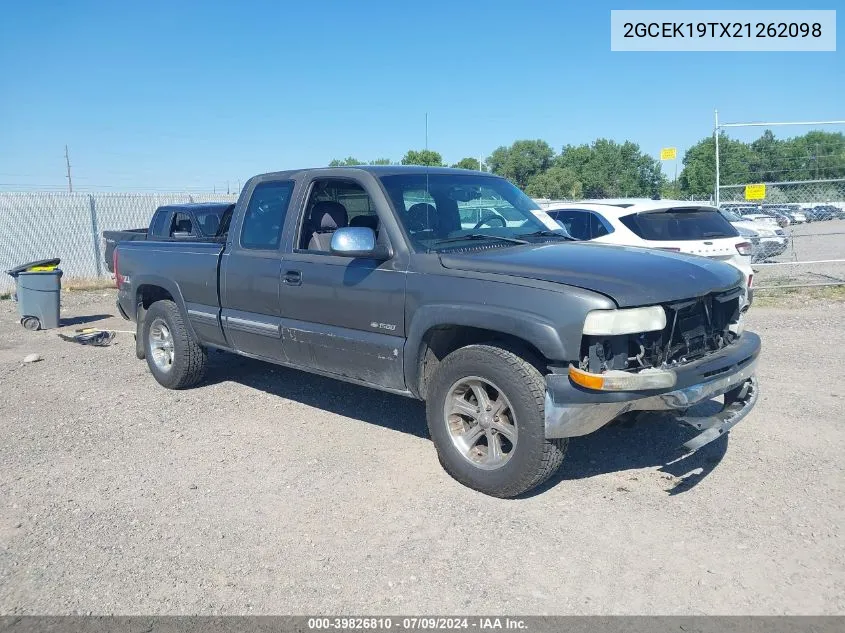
(183,95)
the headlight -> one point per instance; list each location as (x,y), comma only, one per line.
(631,321)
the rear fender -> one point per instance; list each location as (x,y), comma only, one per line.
(173,290)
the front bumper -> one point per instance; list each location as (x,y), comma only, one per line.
(572,410)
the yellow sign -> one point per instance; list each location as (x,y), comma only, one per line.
(755,192)
(668,153)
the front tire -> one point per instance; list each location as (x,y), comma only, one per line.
(485,412)
(175,360)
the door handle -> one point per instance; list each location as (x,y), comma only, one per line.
(293,278)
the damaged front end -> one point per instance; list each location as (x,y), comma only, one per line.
(662,358)
(693,329)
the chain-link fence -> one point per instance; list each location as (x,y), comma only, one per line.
(40,225)
(800,227)
(790,190)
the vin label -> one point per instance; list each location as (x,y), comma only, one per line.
(722,30)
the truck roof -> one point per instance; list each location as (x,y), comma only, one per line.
(376,170)
(196,205)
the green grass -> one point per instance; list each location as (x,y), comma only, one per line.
(780,297)
(76,284)
(80,283)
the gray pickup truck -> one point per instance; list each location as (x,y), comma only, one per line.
(453,287)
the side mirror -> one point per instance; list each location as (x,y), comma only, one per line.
(356,241)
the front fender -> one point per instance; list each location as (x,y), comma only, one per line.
(532,328)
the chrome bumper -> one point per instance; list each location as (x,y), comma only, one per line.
(574,419)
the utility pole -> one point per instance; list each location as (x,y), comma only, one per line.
(227,187)
(426,131)
(716,136)
(675,184)
(69,180)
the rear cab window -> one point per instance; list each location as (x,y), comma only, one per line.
(158,223)
(265,215)
(680,224)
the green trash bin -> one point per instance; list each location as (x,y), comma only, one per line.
(38,289)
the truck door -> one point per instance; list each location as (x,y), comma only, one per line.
(249,273)
(343,315)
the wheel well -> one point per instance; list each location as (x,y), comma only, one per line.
(148,295)
(442,340)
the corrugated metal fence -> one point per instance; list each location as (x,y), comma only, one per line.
(41,225)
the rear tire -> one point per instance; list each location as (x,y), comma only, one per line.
(501,455)
(175,360)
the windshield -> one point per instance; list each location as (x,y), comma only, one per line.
(441,210)
(210,219)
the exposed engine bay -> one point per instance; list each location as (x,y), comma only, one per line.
(694,328)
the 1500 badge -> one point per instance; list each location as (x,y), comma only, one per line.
(383,326)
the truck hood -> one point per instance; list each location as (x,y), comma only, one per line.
(630,276)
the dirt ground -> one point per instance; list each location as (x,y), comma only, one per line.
(266,490)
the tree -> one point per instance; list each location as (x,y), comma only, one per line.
(816,155)
(351,161)
(346,162)
(556,183)
(425,157)
(699,175)
(468,163)
(521,161)
(607,169)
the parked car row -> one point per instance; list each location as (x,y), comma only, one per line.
(786,214)
(453,287)
(766,237)
(823,212)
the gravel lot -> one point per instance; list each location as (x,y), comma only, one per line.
(272,491)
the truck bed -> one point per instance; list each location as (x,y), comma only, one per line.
(111,238)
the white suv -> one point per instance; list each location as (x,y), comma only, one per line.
(686,227)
